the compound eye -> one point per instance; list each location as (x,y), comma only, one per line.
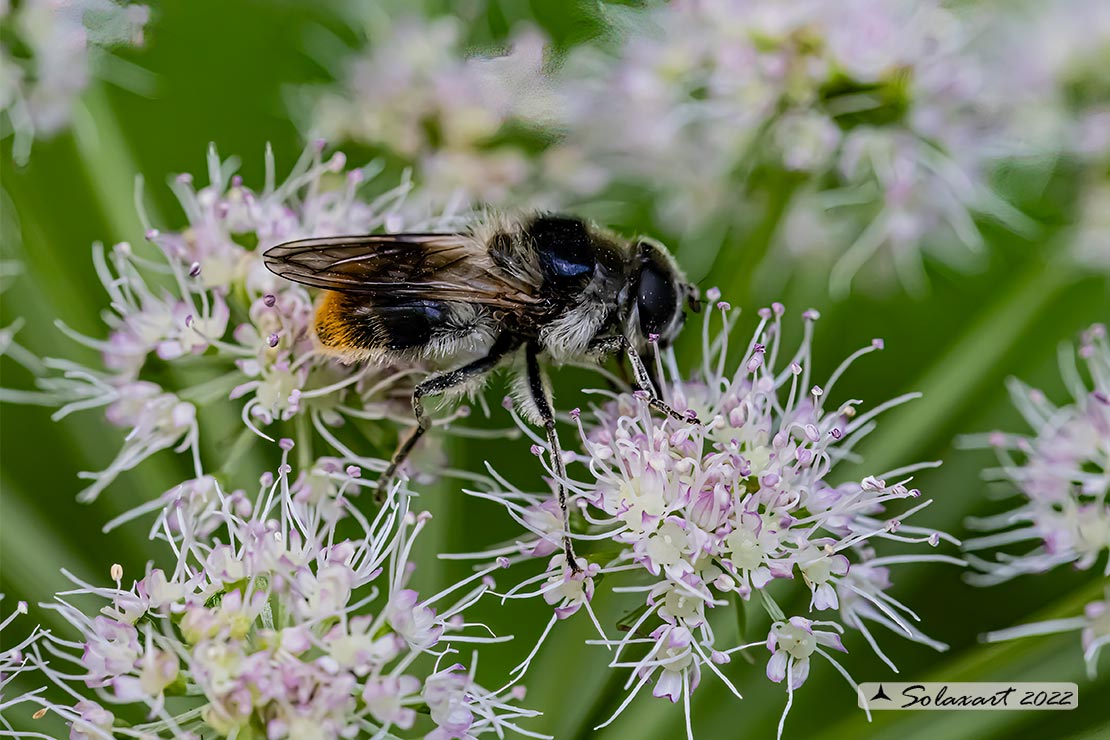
(656,299)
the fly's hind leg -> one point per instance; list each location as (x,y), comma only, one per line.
(547,416)
(434,386)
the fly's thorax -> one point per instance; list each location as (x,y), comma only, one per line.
(593,311)
(583,272)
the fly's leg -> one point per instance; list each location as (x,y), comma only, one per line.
(434,386)
(543,406)
(611,345)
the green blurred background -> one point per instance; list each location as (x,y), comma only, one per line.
(222,72)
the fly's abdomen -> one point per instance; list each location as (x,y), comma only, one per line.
(349,325)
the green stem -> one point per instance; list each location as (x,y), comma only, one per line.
(608,693)
(239,450)
(304,441)
(445,495)
(1101,732)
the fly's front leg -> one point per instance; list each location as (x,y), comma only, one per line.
(547,416)
(643,382)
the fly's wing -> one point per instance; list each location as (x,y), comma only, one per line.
(395,268)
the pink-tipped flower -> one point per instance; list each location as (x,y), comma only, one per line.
(199,299)
(702,516)
(791,644)
(275,617)
(1060,474)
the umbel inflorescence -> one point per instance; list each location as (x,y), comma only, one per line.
(199,300)
(289,612)
(741,511)
(1060,476)
(863,135)
(285,615)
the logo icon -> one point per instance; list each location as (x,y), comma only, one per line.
(880,694)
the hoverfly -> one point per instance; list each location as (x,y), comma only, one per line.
(542,286)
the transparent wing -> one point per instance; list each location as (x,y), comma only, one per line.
(397,267)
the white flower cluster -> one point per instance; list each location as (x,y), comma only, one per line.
(289,614)
(269,619)
(203,302)
(1061,473)
(51,53)
(696,517)
(417,94)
